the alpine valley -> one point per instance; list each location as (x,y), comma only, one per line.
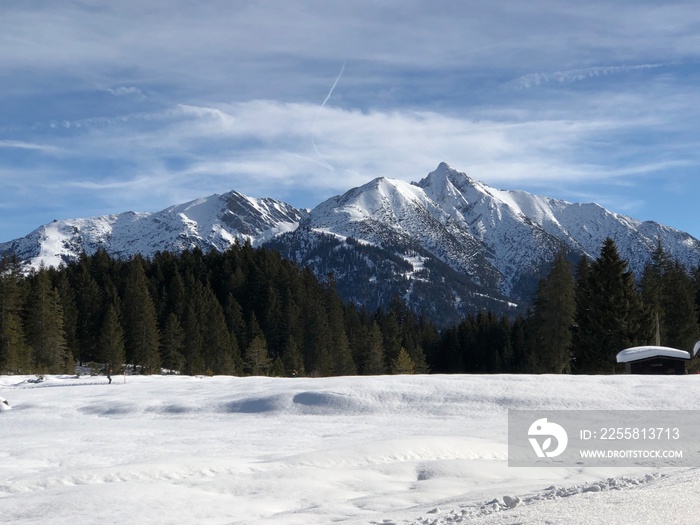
(448,245)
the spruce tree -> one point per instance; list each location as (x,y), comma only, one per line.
(373,358)
(172,344)
(391,334)
(553,317)
(652,286)
(277,368)
(140,323)
(111,340)
(70,312)
(44,326)
(233,313)
(14,351)
(317,341)
(343,363)
(402,364)
(292,358)
(88,302)
(520,342)
(680,327)
(216,341)
(611,314)
(193,347)
(257,359)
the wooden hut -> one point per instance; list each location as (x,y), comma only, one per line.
(660,360)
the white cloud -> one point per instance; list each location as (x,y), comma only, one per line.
(235,90)
(268,146)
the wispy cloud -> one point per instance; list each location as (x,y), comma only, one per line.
(123,91)
(266,144)
(576,75)
(21,145)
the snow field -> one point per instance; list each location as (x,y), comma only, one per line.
(427,450)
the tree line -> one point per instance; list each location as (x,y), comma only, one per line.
(248,311)
(245,311)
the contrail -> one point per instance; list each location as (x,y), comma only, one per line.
(323,104)
(332,87)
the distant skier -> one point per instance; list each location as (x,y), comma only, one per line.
(109,376)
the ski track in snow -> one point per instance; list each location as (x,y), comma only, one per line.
(408,450)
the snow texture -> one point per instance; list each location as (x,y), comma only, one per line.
(409,450)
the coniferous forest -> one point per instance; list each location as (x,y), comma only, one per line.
(250,312)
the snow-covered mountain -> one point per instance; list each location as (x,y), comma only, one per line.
(213,222)
(448,244)
(458,245)
(523,231)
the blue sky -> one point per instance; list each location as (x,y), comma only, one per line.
(136,105)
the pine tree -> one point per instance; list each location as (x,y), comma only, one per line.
(176,296)
(553,318)
(343,363)
(455,347)
(652,285)
(172,344)
(14,352)
(292,358)
(277,368)
(44,326)
(668,292)
(373,362)
(140,324)
(111,340)
(88,302)
(610,312)
(520,338)
(402,364)
(317,342)
(70,313)
(257,359)
(502,334)
(680,327)
(216,340)
(391,334)
(193,348)
(233,313)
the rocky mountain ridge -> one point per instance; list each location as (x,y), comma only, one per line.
(448,245)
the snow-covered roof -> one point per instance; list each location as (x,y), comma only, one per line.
(645,352)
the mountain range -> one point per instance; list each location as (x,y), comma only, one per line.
(448,245)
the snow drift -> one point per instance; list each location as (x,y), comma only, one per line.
(426,450)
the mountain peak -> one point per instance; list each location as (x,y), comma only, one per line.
(213,222)
(447,180)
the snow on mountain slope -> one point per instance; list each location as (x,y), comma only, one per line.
(518,246)
(445,243)
(213,222)
(400,216)
(524,231)
(501,241)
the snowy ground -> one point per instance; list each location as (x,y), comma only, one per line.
(423,450)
